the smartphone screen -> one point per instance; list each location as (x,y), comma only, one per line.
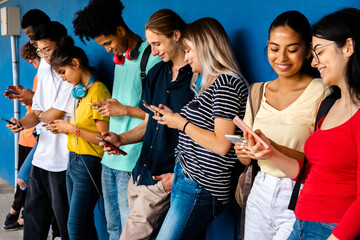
(112,146)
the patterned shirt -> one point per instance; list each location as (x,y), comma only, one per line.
(225,98)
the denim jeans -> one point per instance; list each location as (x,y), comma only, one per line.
(304,230)
(115,184)
(192,209)
(46,197)
(82,194)
(26,166)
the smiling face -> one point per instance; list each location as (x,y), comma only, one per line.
(45,48)
(330,61)
(191,56)
(286,51)
(115,43)
(162,46)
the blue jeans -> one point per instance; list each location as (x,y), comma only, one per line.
(192,209)
(115,184)
(26,166)
(82,194)
(312,230)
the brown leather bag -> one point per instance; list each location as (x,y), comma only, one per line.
(246,178)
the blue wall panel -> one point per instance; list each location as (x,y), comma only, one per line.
(246,23)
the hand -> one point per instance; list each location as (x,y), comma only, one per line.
(25,96)
(60,126)
(165,116)
(14,128)
(110,107)
(21,183)
(256,147)
(114,139)
(12,96)
(332,237)
(243,153)
(166,180)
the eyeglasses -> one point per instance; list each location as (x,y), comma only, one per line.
(43,52)
(316,55)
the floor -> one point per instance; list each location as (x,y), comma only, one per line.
(6,198)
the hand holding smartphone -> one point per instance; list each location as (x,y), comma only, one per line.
(10,122)
(147,105)
(112,146)
(245,128)
(12,92)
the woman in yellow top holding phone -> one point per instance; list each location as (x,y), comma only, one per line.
(83,175)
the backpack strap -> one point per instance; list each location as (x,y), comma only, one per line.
(325,106)
(143,63)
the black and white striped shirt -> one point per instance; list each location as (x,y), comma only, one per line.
(225,98)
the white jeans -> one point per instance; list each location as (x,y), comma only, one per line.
(267,213)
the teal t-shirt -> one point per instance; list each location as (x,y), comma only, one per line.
(127,89)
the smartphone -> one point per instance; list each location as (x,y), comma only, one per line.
(9,91)
(235,138)
(112,146)
(245,128)
(147,105)
(10,122)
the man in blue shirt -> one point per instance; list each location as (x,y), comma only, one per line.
(102,21)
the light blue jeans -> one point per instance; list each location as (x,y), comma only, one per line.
(192,209)
(114,186)
(26,167)
(304,230)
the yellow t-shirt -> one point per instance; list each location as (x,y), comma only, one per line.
(85,119)
(291,126)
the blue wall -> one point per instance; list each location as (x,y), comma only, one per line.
(246,23)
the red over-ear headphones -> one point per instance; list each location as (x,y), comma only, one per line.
(131,54)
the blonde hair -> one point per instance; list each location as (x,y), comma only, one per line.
(214,51)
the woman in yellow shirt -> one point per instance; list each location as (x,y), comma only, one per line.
(83,175)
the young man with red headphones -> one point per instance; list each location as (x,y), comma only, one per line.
(102,21)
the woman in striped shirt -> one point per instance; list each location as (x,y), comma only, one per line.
(202,181)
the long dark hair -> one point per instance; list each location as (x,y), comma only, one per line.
(300,24)
(338,27)
(64,55)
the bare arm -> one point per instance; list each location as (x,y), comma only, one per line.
(213,141)
(61,126)
(132,136)
(112,107)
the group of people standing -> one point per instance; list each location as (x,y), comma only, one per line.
(177,174)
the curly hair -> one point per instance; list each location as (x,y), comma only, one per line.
(28,52)
(34,18)
(100,17)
